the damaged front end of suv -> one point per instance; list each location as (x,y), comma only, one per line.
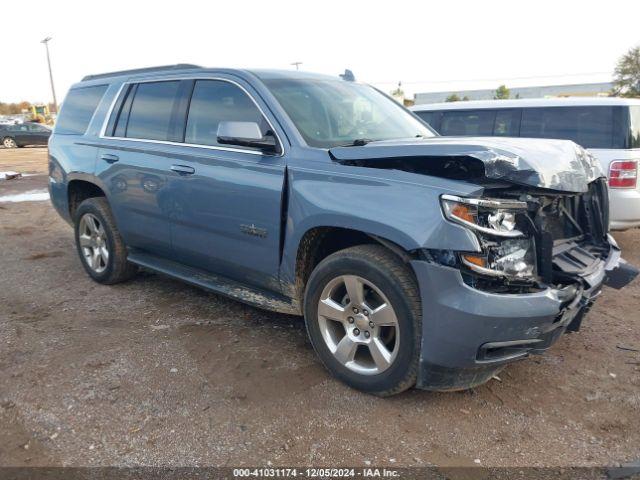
(541,252)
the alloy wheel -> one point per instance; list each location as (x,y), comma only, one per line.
(93,243)
(358,325)
(9,142)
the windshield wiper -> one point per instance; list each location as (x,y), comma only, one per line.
(358,142)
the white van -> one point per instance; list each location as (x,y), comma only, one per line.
(608,127)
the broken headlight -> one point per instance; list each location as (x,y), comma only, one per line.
(505,250)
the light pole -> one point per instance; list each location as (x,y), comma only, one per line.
(53,90)
(297,64)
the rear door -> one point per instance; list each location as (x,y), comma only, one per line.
(226,215)
(133,163)
(39,135)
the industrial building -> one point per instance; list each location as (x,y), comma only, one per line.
(574,90)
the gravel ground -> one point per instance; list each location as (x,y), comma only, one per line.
(155,372)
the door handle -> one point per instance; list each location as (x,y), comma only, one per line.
(183,169)
(109,157)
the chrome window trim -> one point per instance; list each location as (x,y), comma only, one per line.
(196,145)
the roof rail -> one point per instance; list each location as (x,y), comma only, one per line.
(162,68)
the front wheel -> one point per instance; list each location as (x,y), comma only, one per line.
(363,316)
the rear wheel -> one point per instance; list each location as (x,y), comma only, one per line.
(99,244)
(9,142)
(363,315)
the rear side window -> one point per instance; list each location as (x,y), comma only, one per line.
(151,110)
(78,108)
(215,101)
(468,122)
(591,127)
(507,123)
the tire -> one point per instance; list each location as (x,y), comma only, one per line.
(386,356)
(95,230)
(9,142)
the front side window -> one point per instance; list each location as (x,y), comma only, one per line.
(151,110)
(215,101)
(591,126)
(468,122)
(329,113)
(635,126)
(78,108)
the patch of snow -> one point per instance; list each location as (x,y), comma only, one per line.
(10,174)
(30,196)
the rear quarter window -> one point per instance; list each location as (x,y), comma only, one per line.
(634,134)
(78,108)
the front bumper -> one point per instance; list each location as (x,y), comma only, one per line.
(468,335)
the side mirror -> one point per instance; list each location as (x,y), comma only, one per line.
(246,134)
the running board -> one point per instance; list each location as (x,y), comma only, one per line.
(215,283)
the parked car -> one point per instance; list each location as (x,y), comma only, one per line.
(21,135)
(415,259)
(608,127)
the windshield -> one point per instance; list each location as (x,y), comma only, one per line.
(328,113)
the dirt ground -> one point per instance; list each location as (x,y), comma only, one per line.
(155,372)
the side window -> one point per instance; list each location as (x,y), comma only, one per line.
(467,122)
(151,110)
(591,127)
(634,134)
(428,117)
(507,123)
(78,108)
(214,101)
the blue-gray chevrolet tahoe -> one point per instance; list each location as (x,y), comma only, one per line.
(415,259)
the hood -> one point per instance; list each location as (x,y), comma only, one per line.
(552,164)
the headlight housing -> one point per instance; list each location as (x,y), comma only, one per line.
(506,251)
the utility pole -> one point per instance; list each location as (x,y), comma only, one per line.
(297,64)
(53,90)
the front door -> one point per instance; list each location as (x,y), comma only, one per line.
(226,202)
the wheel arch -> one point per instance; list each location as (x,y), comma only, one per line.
(79,189)
(318,242)
(8,136)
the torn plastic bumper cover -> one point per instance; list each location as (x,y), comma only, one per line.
(469,334)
